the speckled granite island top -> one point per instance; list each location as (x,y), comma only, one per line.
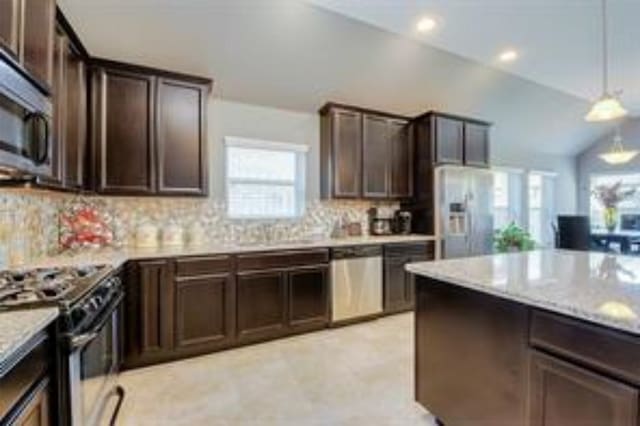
(596,287)
(17,327)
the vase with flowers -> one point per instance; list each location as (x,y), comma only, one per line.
(610,196)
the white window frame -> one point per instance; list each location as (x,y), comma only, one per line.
(514,210)
(553,211)
(299,183)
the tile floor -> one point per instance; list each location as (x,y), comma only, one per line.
(356,375)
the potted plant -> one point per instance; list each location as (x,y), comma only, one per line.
(610,196)
(513,238)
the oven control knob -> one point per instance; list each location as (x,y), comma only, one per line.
(95,302)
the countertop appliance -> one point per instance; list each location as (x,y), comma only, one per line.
(464,217)
(87,333)
(380,221)
(356,282)
(25,126)
(402,222)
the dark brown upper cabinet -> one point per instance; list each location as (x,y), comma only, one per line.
(364,154)
(9,26)
(123,132)
(341,153)
(59,107)
(180,136)
(401,156)
(449,139)
(375,158)
(27,38)
(38,37)
(148,131)
(76,132)
(476,144)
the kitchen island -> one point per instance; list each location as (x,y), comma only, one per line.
(540,338)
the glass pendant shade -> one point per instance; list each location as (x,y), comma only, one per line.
(605,109)
(608,107)
(617,154)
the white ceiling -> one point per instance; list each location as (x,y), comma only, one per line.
(294,55)
(558,40)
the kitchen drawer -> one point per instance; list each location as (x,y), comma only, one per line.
(409,249)
(599,347)
(205,265)
(16,383)
(282,259)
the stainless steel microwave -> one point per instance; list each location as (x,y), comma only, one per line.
(25,126)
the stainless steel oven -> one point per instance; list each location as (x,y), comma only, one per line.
(92,361)
(25,125)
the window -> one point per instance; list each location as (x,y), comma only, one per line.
(265,180)
(628,208)
(507,197)
(541,207)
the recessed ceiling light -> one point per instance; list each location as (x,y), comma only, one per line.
(508,55)
(426,24)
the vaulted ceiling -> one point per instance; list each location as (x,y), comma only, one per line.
(558,41)
(295,55)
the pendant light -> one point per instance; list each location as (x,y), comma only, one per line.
(617,154)
(608,107)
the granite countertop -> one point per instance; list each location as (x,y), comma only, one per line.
(596,287)
(18,327)
(117,257)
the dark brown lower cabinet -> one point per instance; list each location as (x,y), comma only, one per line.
(193,305)
(261,304)
(399,285)
(37,410)
(149,312)
(471,352)
(308,296)
(485,360)
(204,311)
(562,394)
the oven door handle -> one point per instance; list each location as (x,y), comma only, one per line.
(81,340)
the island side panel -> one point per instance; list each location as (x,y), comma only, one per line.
(471,355)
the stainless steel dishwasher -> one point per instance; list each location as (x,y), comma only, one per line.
(356,282)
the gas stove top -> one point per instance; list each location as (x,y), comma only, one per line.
(47,286)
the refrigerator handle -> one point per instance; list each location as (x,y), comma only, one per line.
(468,224)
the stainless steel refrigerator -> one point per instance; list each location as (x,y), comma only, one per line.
(464,217)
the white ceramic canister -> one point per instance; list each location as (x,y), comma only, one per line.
(196,235)
(172,235)
(146,235)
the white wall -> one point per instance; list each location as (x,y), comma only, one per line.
(589,163)
(228,118)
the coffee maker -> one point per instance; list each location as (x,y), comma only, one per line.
(380,221)
(402,222)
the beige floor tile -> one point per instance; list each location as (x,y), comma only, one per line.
(356,375)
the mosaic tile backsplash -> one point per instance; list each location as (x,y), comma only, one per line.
(30,220)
